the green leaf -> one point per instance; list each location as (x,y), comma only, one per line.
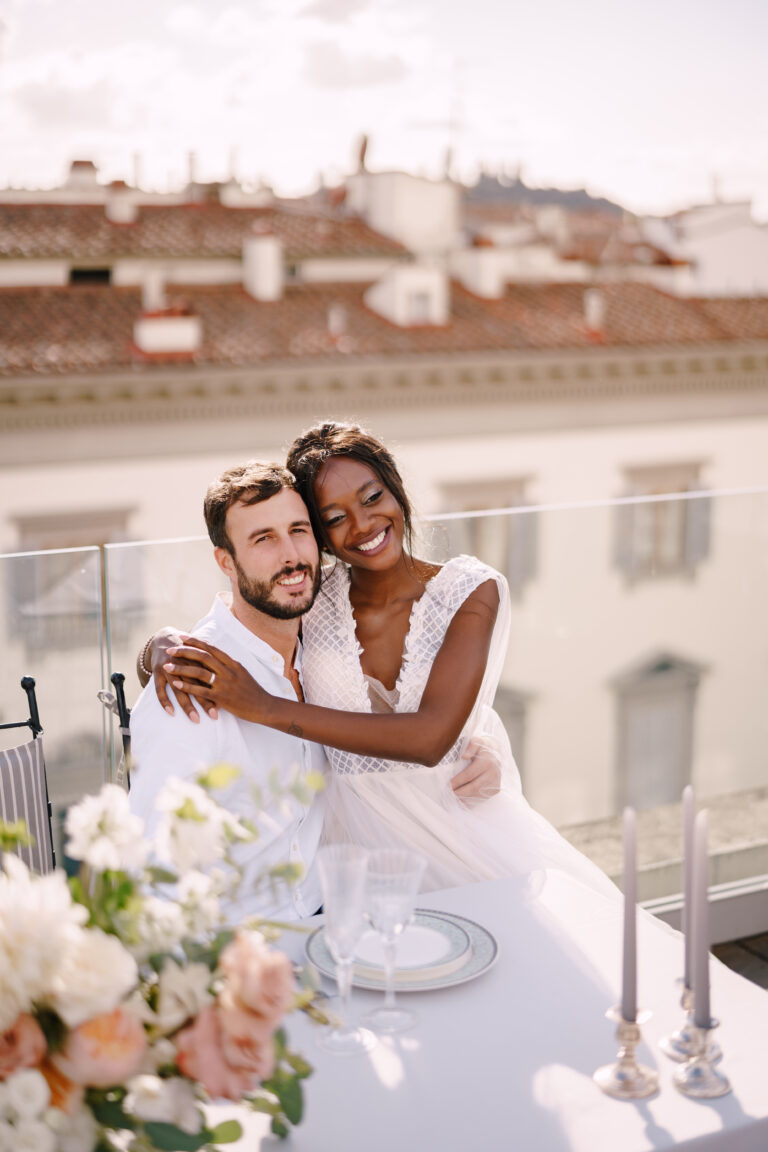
(110,1114)
(187,811)
(261,1104)
(169,1138)
(226,1132)
(279,1128)
(218,776)
(288,1091)
(161,875)
(299,1065)
(315,780)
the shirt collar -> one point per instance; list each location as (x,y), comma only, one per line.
(228,622)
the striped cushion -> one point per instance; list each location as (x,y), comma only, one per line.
(23,796)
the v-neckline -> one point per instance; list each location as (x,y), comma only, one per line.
(358,647)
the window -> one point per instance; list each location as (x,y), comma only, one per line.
(56,601)
(655,704)
(90,275)
(508,541)
(661,537)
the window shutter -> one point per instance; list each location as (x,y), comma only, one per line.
(697,530)
(624,529)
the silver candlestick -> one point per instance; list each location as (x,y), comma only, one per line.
(698,1077)
(626,1079)
(681,1045)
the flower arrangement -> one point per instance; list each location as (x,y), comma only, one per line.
(125,1001)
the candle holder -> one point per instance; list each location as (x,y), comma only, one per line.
(681,1045)
(698,1077)
(626,1079)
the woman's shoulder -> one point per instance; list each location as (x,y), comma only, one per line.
(460,576)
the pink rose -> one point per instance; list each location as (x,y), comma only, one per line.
(103,1051)
(22,1046)
(246,1040)
(261,980)
(201,1056)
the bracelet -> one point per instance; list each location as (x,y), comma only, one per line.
(143,657)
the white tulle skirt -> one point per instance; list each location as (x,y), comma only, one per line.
(416,808)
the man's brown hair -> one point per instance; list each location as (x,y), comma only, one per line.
(249,483)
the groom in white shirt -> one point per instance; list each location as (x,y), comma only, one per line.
(263,542)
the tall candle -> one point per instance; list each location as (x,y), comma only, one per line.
(700,946)
(629,966)
(689,813)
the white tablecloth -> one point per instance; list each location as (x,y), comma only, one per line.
(505,1063)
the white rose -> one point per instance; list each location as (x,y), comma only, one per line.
(183,993)
(38,921)
(104,832)
(27,1094)
(161,1053)
(94,974)
(7,1134)
(165,1101)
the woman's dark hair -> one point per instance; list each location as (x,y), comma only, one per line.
(310,451)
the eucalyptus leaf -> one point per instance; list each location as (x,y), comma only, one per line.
(169,1138)
(226,1132)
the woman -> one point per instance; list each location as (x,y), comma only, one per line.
(401,662)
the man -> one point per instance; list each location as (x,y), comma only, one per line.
(263,543)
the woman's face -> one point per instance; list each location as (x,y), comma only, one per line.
(363,521)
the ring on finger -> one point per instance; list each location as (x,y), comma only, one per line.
(213,677)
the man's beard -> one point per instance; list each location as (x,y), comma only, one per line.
(258,593)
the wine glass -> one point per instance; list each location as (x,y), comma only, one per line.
(342,870)
(394,876)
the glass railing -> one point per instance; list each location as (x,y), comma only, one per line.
(637,662)
(52,626)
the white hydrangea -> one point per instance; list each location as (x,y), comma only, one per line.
(182,993)
(159,926)
(93,975)
(194,830)
(199,896)
(169,1101)
(104,832)
(76,1133)
(32,1136)
(38,923)
(27,1095)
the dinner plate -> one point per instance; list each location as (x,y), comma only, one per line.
(437,950)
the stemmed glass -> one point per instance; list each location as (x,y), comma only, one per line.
(342,876)
(394,876)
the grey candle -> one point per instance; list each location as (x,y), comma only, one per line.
(689,813)
(629,966)
(700,945)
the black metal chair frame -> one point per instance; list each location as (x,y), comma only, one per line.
(36,728)
(117,705)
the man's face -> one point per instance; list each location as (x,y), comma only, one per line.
(276,564)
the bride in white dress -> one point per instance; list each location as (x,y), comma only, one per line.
(401,663)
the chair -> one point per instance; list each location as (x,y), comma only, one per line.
(24,789)
(115,702)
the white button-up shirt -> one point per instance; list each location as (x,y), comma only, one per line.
(163,746)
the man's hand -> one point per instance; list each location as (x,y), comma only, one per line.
(481,779)
(164,641)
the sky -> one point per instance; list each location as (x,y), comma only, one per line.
(652,103)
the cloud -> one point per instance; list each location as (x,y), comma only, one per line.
(327,66)
(334,11)
(49,103)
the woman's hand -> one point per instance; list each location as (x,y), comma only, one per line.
(202,671)
(481,779)
(164,642)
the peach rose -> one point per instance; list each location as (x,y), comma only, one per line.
(22,1046)
(65,1095)
(260,980)
(246,1040)
(200,1055)
(103,1051)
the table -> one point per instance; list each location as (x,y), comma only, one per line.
(504,1063)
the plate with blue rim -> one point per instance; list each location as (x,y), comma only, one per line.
(436,950)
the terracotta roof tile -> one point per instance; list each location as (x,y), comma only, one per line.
(82,232)
(49,331)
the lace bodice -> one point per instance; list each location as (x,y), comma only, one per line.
(332,673)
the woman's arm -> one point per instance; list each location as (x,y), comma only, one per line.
(421,737)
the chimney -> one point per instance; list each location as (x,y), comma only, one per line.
(263,272)
(121,206)
(337,320)
(153,290)
(174,331)
(594,310)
